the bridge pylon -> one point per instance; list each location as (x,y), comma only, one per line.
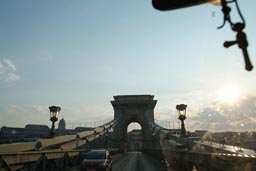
(133,108)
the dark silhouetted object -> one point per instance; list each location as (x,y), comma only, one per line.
(165,5)
(181,108)
(226,12)
(38,145)
(242,43)
(241,40)
(54,114)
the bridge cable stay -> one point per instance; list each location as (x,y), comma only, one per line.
(167,124)
(89,124)
(87,138)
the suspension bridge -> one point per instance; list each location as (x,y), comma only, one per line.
(159,142)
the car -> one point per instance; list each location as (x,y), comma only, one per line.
(97,160)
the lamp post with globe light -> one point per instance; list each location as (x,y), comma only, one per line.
(181,108)
(54,114)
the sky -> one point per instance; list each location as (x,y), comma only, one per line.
(79,54)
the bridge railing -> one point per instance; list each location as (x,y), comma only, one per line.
(67,142)
(185,160)
(15,161)
(16,155)
(189,151)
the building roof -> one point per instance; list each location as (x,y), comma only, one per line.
(41,127)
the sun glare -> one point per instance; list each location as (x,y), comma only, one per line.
(229,95)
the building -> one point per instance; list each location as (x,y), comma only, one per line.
(29,133)
(62,124)
(32,132)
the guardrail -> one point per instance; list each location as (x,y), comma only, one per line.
(66,142)
(17,155)
(185,153)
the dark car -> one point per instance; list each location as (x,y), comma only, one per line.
(97,160)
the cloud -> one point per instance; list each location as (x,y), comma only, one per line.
(12,77)
(221,117)
(215,117)
(10,64)
(1,68)
(8,69)
(89,115)
(21,115)
(40,109)
(86,113)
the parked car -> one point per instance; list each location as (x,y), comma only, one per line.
(97,160)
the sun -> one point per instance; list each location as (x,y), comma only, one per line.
(230,95)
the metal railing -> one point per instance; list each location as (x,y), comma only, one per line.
(17,155)
(185,153)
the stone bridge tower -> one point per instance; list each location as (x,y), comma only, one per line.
(133,108)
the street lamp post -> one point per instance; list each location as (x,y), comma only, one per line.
(54,114)
(181,108)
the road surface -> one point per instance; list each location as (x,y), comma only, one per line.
(134,161)
(137,161)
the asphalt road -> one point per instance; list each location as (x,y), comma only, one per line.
(133,161)
(137,161)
